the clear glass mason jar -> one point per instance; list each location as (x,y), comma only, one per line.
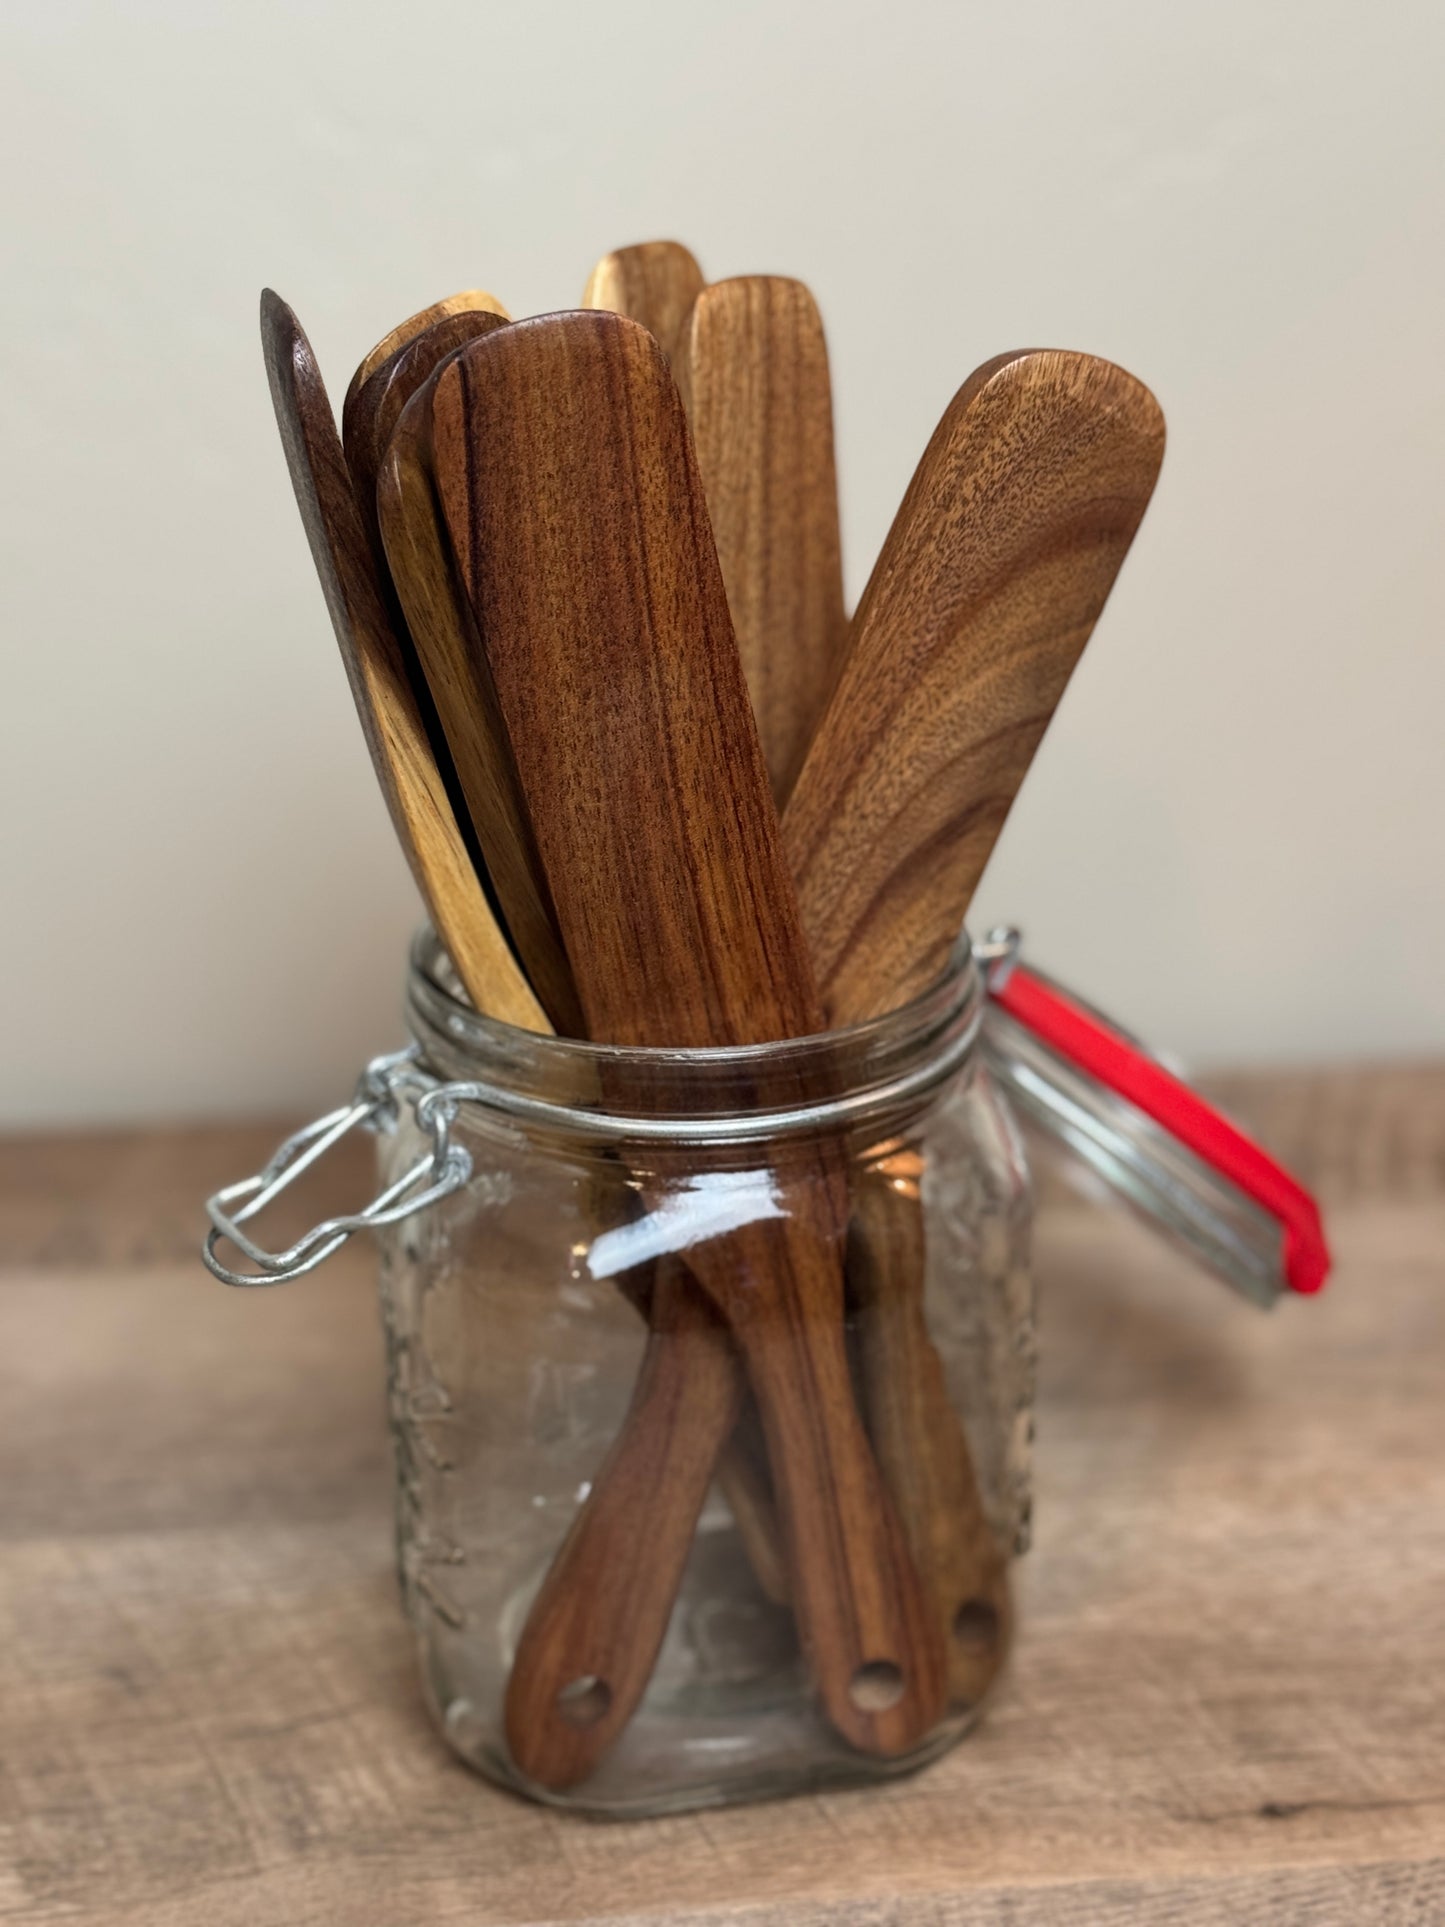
(627,1596)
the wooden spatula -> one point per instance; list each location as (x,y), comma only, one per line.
(985,593)
(469,301)
(572,503)
(654,282)
(752,368)
(374,653)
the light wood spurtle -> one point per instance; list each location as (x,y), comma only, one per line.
(985,593)
(654,282)
(752,367)
(571,500)
(469,301)
(374,653)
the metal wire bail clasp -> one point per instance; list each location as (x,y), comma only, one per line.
(379,1093)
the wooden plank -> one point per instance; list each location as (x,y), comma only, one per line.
(1228,1701)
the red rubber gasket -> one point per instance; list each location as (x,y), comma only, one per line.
(1120,1066)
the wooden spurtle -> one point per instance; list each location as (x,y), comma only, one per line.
(469,301)
(985,593)
(592,1635)
(456,675)
(752,368)
(654,282)
(992,577)
(572,504)
(915,1427)
(375,657)
(374,405)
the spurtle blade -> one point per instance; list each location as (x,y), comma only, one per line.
(653,282)
(752,367)
(987,589)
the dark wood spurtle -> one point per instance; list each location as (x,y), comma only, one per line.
(374,651)
(456,675)
(654,282)
(752,367)
(915,1427)
(985,593)
(575,516)
(374,405)
(592,1635)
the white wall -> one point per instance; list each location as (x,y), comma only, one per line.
(1233,837)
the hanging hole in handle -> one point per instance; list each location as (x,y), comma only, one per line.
(876,1687)
(584,1701)
(976,1626)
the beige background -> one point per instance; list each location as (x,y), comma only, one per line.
(1233,838)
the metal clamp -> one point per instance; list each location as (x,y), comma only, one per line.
(445,1168)
(997,953)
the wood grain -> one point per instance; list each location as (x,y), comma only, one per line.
(654,282)
(986,591)
(566,478)
(455,672)
(1227,1701)
(469,301)
(752,368)
(374,649)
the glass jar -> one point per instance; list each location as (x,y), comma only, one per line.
(717,1361)
(711,1372)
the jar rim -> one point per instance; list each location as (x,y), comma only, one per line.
(831,1079)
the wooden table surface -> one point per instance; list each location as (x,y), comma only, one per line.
(1228,1700)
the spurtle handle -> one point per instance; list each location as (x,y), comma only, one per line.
(592,1637)
(916,1432)
(871,1638)
(744,1481)
(742,1468)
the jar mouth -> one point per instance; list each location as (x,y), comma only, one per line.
(830,1079)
